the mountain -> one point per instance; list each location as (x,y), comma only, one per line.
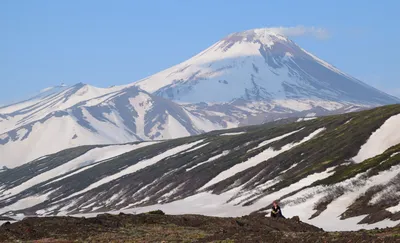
(336,172)
(260,65)
(247,78)
(83,115)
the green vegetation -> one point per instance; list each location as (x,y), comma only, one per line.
(156,212)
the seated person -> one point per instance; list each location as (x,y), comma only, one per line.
(276,211)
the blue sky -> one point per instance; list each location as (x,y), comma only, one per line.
(103,43)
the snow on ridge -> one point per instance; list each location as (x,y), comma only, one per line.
(347,122)
(224,153)
(274,139)
(90,157)
(382,139)
(394,209)
(175,127)
(326,64)
(306,119)
(232,133)
(197,147)
(136,167)
(167,195)
(259,158)
(395,154)
(291,167)
(141,103)
(26,202)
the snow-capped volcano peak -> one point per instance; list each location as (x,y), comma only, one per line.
(259,65)
(264,36)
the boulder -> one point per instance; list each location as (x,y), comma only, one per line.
(296,218)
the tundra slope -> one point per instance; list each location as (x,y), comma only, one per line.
(246,78)
(318,169)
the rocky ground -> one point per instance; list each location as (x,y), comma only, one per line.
(157,227)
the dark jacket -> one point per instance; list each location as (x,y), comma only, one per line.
(276,212)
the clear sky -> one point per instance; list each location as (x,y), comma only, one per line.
(103,43)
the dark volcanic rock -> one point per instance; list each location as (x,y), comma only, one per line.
(179,228)
(296,218)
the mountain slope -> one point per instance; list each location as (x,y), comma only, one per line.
(260,65)
(84,115)
(337,172)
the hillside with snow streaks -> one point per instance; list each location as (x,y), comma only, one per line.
(308,166)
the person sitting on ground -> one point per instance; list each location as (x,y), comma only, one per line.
(276,211)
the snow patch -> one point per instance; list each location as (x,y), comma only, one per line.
(198,147)
(394,154)
(274,139)
(26,202)
(306,119)
(382,139)
(291,167)
(394,209)
(232,133)
(224,153)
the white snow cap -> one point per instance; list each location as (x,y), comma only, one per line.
(267,36)
(259,34)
